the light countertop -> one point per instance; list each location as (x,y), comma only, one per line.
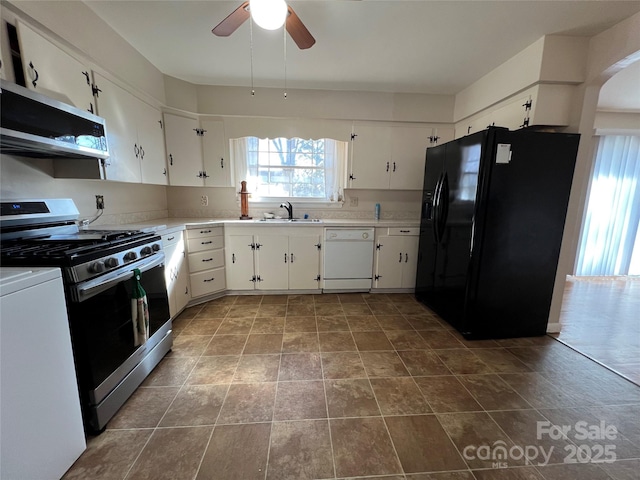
(169,225)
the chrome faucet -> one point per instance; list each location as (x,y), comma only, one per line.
(289,208)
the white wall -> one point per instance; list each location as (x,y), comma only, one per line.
(551,59)
(325,104)
(609,52)
(124,202)
(399,205)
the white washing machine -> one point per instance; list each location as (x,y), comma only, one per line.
(42,432)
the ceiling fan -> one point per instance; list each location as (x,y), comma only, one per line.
(294,25)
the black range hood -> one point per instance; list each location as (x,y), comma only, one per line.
(33,125)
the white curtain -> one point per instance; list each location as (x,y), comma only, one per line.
(238,150)
(335,168)
(613,209)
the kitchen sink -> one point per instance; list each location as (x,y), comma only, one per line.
(293,220)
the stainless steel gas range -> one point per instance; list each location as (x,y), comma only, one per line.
(97,267)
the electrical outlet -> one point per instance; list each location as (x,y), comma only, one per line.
(353,201)
(100,202)
(204,200)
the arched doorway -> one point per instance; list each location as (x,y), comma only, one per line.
(599,312)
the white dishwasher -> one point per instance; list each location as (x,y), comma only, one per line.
(348,259)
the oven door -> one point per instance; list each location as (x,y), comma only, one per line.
(102,329)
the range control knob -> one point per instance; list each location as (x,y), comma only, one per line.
(146,251)
(96,267)
(111,262)
(130,256)
(155,247)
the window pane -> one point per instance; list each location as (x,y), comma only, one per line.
(287,167)
(279,175)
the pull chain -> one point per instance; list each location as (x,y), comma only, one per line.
(285,61)
(253,92)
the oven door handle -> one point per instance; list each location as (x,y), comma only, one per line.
(98,285)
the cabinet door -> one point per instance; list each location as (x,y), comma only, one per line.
(304,262)
(3,65)
(442,135)
(119,108)
(53,72)
(151,144)
(239,262)
(215,156)
(184,151)
(513,116)
(370,157)
(272,262)
(408,151)
(410,253)
(181,285)
(170,271)
(389,262)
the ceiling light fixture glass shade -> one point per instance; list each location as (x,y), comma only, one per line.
(268,14)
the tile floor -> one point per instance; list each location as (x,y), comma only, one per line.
(361,386)
(600,319)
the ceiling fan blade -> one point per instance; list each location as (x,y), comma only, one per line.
(230,24)
(298,31)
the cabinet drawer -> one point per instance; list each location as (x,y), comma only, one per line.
(207,282)
(404,231)
(205,243)
(206,260)
(171,239)
(204,232)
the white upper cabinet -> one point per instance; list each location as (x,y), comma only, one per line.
(53,72)
(370,157)
(215,150)
(408,150)
(544,104)
(134,133)
(153,165)
(197,153)
(391,157)
(116,107)
(184,150)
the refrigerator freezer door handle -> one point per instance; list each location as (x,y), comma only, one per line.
(436,208)
(443,204)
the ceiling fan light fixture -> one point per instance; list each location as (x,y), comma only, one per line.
(268,14)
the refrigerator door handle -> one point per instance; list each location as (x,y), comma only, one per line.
(436,208)
(443,204)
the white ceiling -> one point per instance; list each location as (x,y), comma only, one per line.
(419,46)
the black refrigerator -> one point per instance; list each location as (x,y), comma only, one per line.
(493,212)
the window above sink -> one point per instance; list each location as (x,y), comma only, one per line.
(304,171)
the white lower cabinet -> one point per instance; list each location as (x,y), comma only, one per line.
(176,272)
(277,259)
(395,260)
(205,247)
